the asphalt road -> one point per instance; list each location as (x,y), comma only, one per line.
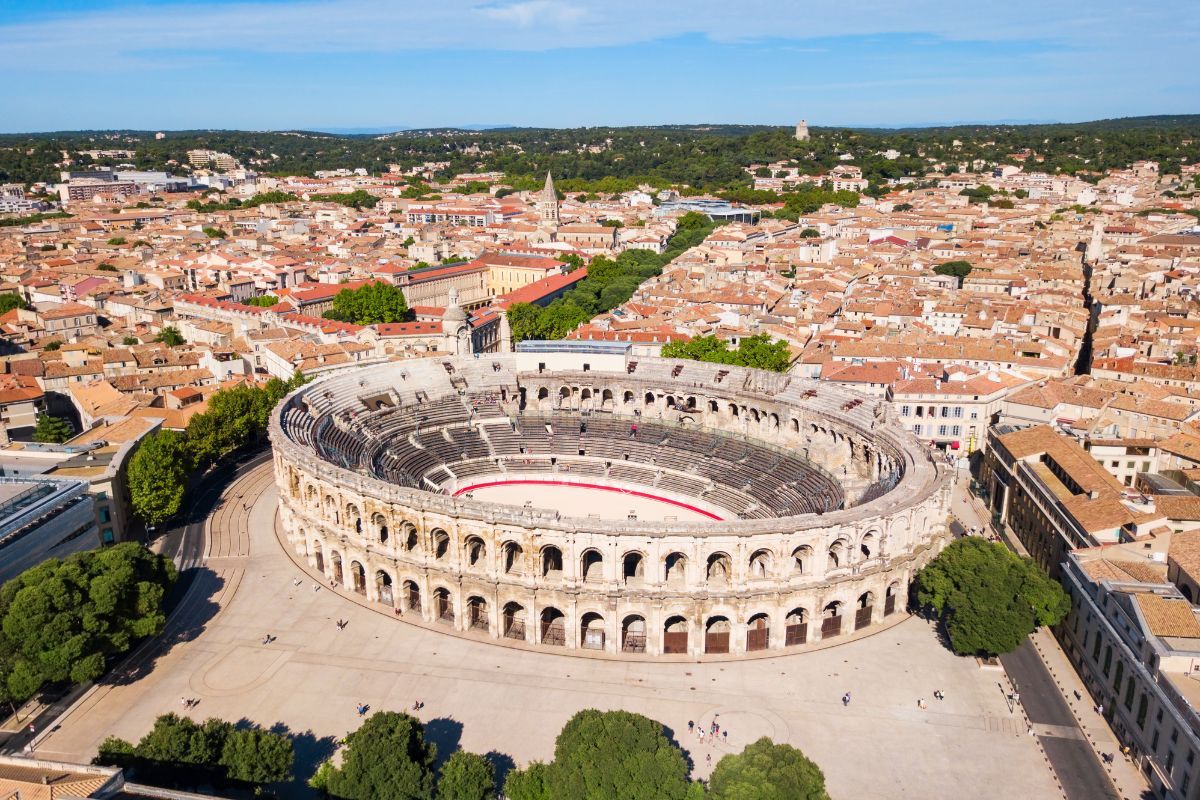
(1073,760)
(183,541)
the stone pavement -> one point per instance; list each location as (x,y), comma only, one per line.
(1127,779)
(486,697)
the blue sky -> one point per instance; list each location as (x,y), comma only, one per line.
(280,64)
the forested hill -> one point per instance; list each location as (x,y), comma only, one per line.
(705,157)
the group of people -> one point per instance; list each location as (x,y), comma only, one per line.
(937,693)
(189,702)
(714,733)
(342,623)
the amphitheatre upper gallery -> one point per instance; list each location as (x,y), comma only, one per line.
(489,489)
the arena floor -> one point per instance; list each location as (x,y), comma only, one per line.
(592,500)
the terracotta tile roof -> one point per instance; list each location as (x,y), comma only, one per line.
(1168,617)
(1103,569)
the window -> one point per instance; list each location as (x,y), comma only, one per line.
(1154,742)
(905,411)
(958,412)
(956,431)
(108,535)
(1141,715)
(916,430)
(1170,761)
(941,430)
(1107,660)
(945,411)
(1129,694)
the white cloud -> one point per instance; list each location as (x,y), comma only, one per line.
(528,13)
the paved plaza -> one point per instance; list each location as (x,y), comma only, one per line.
(486,698)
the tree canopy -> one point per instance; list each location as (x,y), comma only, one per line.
(171,337)
(387,758)
(54,430)
(263,301)
(466,776)
(989,598)
(756,351)
(61,619)
(157,476)
(11,300)
(959,269)
(369,304)
(767,771)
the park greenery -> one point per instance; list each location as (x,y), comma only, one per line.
(263,301)
(11,300)
(170,336)
(756,351)
(31,219)
(959,269)
(61,620)
(988,598)
(180,753)
(369,304)
(214,233)
(360,198)
(52,430)
(609,283)
(233,203)
(235,418)
(767,771)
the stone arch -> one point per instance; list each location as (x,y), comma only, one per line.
(318,557)
(591,566)
(802,560)
(633,634)
(408,532)
(627,398)
(353,517)
(675,635)
(443,605)
(412,595)
(512,621)
(838,555)
(648,399)
(864,609)
(552,562)
(564,397)
(675,568)
(475,551)
(512,558)
(294,483)
(335,561)
(633,567)
(869,545)
(795,630)
(714,407)
(553,627)
(761,562)
(441,543)
(310,495)
(773,418)
(758,632)
(719,568)
(733,410)
(383,587)
(591,631)
(477,613)
(358,577)
(831,619)
(379,522)
(717,630)
(606,400)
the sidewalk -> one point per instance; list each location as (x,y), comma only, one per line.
(1123,772)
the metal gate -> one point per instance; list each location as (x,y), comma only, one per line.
(633,642)
(553,632)
(862,617)
(675,642)
(889,605)
(796,634)
(385,594)
(757,638)
(444,608)
(593,639)
(414,598)
(831,626)
(716,642)
(477,616)
(320,562)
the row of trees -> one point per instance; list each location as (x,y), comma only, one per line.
(598,755)
(609,283)
(179,753)
(262,198)
(756,351)
(61,620)
(360,198)
(369,304)
(235,418)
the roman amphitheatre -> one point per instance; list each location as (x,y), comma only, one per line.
(591,501)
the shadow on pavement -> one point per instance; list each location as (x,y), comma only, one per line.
(502,764)
(446,733)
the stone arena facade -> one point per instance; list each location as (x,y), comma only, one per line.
(829,507)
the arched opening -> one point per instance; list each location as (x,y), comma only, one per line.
(690,404)
(627,398)
(294,484)
(758,632)
(441,543)
(670,400)
(648,400)
(513,564)
(796,627)
(592,566)
(733,410)
(353,517)
(310,495)
(564,397)
(837,554)
(383,588)
(477,613)
(443,606)
(476,550)
(553,627)
(716,635)
(381,530)
(795,426)
(867,545)
(633,634)
(802,560)
(889,600)
(606,400)
(674,567)
(514,621)
(591,631)
(862,614)
(330,509)
(633,567)
(409,532)
(714,407)
(754,415)
(319,557)
(358,577)
(719,569)
(774,420)
(675,636)
(552,563)
(338,575)
(412,595)
(831,622)
(760,564)
(585,397)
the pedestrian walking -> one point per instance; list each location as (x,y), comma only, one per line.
(725,736)
(708,759)
(846,699)
(691,726)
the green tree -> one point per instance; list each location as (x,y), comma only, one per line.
(531,783)
(810,233)
(129,341)
(608,754)
(117,241)
(257,756)
(572,260)
(387,758)
(959,269)
(170,336)
(466,776)
(54,430)
(52,345)
(767,771)
(9,301)
(988,598)
(760,352)
(369,304)
(60,620)
(263,301)
(158,476)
